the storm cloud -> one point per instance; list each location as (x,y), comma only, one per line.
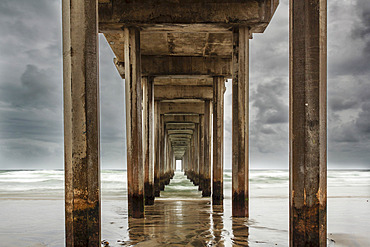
(31,102)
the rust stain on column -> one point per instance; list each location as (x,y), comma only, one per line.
(307,137)
(207,150)
(135,165)
(81,123)
(201,153)
(218,139)
(148,138)
(157,151)
(240,130)
(162,153)
(196,155)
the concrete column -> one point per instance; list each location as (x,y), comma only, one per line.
(148,130)
(307,123)
(81,123)
(157,160)
(135,165)
(167,162)
(162,153)
(240,130)
(196,155)
(185,162)
(207,152)
(201,152)
(218,139)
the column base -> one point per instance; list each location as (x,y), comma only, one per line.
(149,193)
(136,206)
(240,205)
(218,195)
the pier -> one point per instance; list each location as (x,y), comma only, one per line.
(175,57)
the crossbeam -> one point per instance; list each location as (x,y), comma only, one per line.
(182,92)
(167,66)
(188,107)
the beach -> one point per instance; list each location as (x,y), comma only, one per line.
(32,211)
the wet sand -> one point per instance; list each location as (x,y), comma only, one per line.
(182,218)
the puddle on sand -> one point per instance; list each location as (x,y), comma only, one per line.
(181,217)
(185,223)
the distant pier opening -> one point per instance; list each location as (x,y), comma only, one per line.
(178,165)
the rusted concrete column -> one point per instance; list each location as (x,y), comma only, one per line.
(307,128)
(135,165)
(218,139)
(166,176)
(207,151)
(240,130)
(201,152)
(81,123)
(192,157)
(162,152)
(148,130)
(196,155)
(157,177)
(185,162)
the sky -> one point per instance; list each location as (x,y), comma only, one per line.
(31,102)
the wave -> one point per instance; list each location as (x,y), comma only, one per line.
(115,181)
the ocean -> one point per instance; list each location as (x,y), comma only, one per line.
(32,211)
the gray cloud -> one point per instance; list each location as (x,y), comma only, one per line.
(37,89)
(269,103)
(31,119)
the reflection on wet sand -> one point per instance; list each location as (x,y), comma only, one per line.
(181,217)
(185,223)
(240,231)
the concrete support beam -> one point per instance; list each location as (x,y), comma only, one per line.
(184,108)
(160,81)
(218,139)
(180,126)
(180,66)
(207,150)
(180,132)
(135,165)
(176,118)
(307,128)
(174,92)
(201,152)
(196,155)
(157,151)
(240,130)
(81,123)
(256,13)
(162,152)
(148,147)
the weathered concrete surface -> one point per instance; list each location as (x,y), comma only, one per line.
(81,123)
(201,153)
(148,144)
(172,66)
(157,150)
(307,129)
(206,192)
(186,107)
(240,130)
(218,139)
(162,153)
(252,12)
(135,165)
(183,92)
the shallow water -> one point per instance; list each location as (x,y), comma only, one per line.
(181,217)
(32,211)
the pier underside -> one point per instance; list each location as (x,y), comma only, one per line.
(175,57)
